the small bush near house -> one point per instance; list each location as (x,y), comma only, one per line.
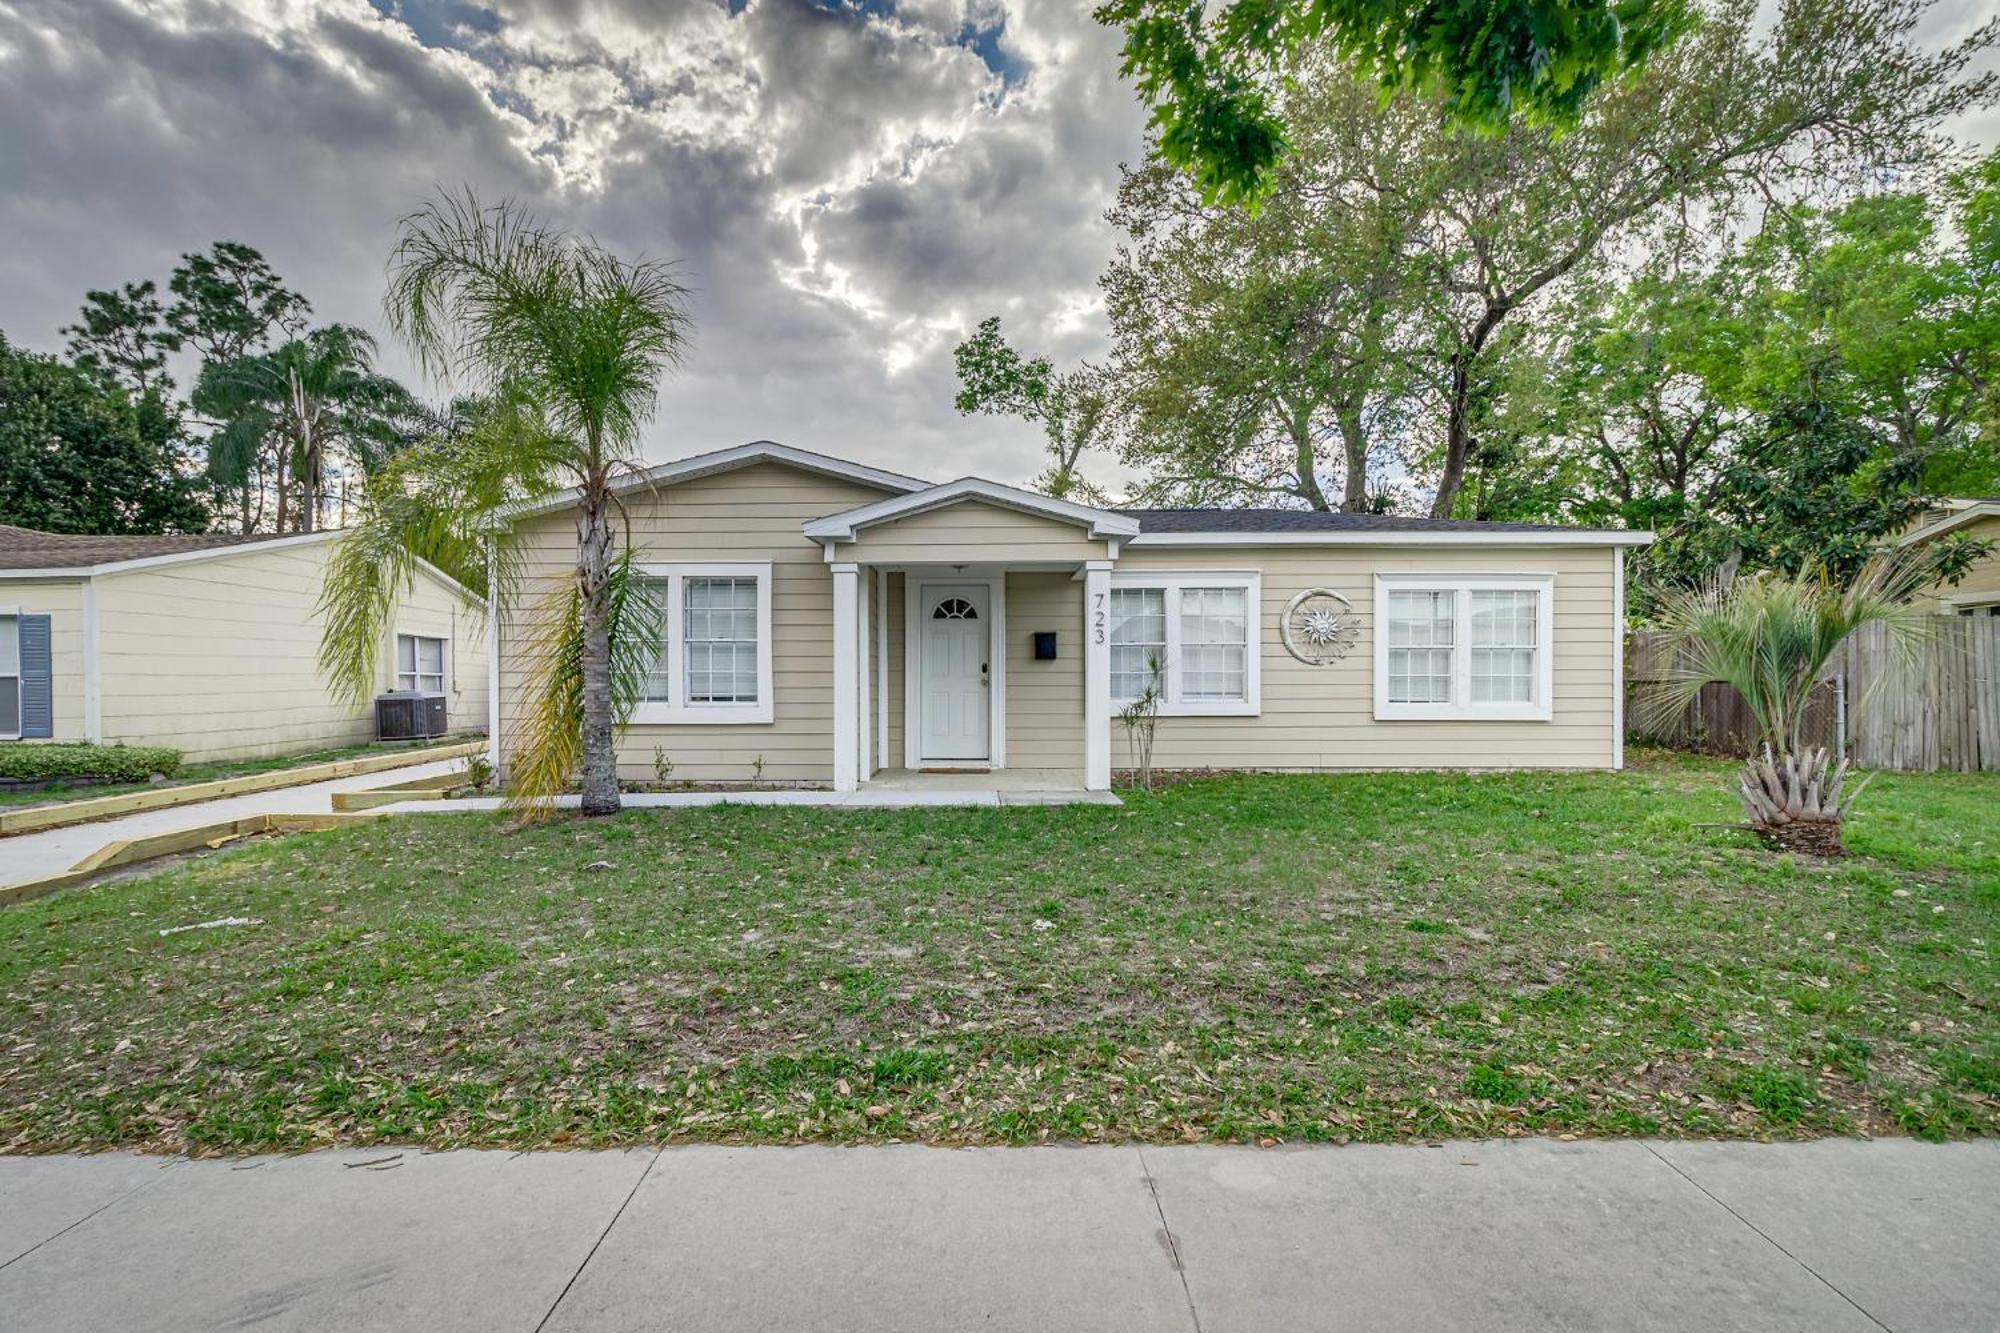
(104,763)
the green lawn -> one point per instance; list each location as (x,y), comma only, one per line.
(1365,957)
(231,768)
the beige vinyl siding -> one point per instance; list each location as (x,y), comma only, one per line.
(752,513)
(972,532)
(1981,581)
(1044,699)
(218,657)
(1323,717)
(893,757)
(61,600)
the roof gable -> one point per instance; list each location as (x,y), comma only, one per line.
(1949,516)
(728,460)
(1100,523)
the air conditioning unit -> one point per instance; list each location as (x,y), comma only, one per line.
(409,715)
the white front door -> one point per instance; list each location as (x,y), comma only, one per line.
(956,667)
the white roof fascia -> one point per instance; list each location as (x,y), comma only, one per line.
(1362,537)
(724,460)
(178,557)
(85,572)
(1963,512)
(1102,523)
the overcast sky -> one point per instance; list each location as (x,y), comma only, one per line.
(850,187)
(850,184)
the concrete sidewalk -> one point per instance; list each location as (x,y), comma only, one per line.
(1529,1235)
(27,856)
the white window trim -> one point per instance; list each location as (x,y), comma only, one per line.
(677,712)
(444,659)
(1252,583)
(1461,708)
(20,705)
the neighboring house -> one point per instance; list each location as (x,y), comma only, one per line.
(1978,593)
(208,644)
(792,581)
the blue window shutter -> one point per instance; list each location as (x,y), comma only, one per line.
(38,698)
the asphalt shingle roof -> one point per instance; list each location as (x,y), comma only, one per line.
(1311,520)
(25,548)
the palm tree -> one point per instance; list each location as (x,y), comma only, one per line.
(565,344)
(1771,635)
(308,400)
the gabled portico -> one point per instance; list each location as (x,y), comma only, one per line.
(925,641)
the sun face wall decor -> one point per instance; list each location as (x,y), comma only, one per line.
(1319,627)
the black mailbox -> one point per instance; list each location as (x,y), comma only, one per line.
(1045,645)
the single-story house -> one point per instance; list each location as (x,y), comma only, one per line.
(1978,593)
(208,644)
(829,621)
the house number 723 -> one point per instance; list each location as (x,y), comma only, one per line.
(1100,618)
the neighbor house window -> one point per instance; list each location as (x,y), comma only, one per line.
(1201,631)
(419,663)
(1472,646)
(713,660)
(10,677)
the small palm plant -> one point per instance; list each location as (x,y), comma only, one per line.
(1771,636)
(1141,719)
(565,345)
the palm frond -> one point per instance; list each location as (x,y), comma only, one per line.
(1772,637)
(494,294)
(547,741)
(438,501)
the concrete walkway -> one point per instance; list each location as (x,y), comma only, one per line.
(29,856)
(1833,1237)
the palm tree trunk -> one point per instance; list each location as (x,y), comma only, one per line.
(309,460)
(284,447)
(593,573)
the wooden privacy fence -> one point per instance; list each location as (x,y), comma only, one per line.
(1940,711)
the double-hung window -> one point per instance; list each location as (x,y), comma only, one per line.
(10,677)
(420,663)
(1469,646)
(1194,634)
(712,663)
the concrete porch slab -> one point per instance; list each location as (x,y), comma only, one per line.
(891,789)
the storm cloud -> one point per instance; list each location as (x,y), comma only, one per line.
(848,185)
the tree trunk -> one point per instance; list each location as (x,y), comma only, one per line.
(1355,441)
(1308,461)
(593,572)
(1458,421)
(309,459)
(283,449)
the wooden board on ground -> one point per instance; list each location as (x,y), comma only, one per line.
(131,851)
(41,817)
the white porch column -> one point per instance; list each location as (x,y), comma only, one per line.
(846,676)
(1097,675)
(865,698)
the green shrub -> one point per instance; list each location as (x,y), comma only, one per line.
(25,762)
